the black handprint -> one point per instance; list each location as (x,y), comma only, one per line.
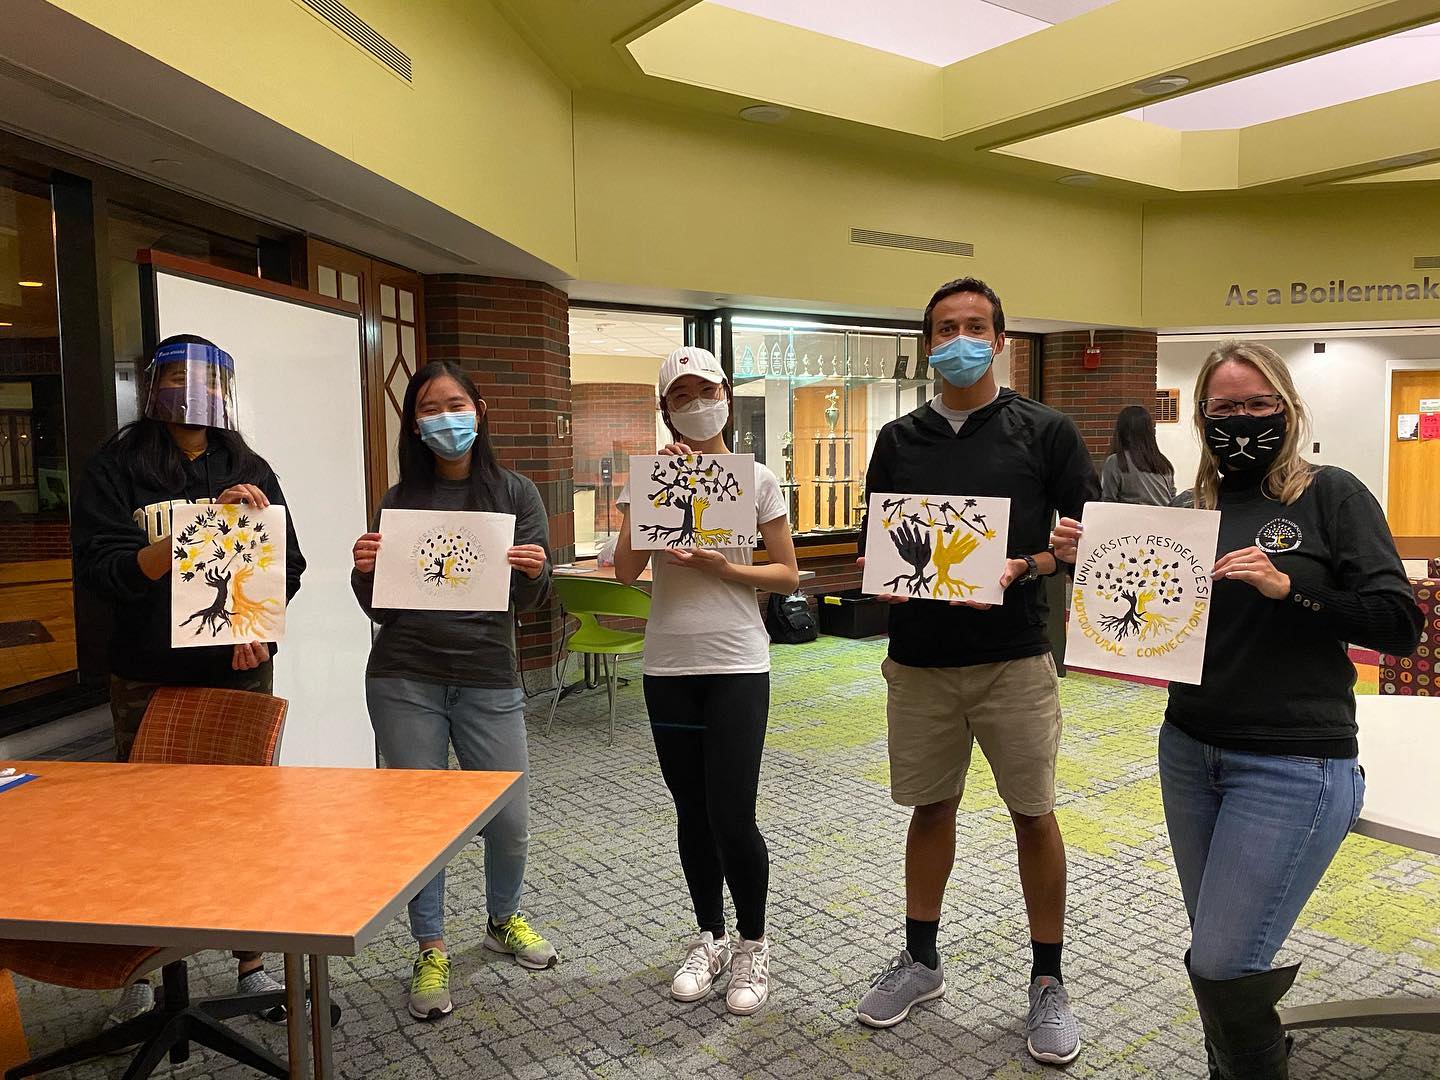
(913,545)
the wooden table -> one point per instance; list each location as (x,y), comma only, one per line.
(1400,750)
(136,854)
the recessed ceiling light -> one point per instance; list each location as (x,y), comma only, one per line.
(622,350)
(1164,84)
(31,284)
(597,341)
(1079,179)
(6,324)
(765,114)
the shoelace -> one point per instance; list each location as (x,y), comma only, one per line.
(434,972)
(742,968)
(880,981)
(520,933)
(703,958)
(1046,1010)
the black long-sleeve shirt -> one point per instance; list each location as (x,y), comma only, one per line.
(116,513)
(1278,678)
(1012,448)
(459,648)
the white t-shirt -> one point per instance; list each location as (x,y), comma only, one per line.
(957,417)
(699,624)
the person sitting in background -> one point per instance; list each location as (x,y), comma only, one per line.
(186,448)
(1136,471)
(1258,764)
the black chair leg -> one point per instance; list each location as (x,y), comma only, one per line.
(153,1053)
(233,1005)
(209,1032)
(175,985)
(131,1033)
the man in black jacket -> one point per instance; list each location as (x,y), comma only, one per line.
(959,672)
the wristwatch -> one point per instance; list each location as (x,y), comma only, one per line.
(1032,570)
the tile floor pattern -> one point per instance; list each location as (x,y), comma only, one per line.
(605,885)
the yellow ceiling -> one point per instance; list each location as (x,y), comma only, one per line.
(1047,105)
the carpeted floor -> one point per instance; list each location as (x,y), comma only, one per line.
(605,886)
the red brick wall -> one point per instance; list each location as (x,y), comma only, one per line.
(513,337)
(1093,399)
(26,541)
(1020,350)
(611,420)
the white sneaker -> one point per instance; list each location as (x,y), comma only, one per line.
(706,960)
(137,1000)
(749,977)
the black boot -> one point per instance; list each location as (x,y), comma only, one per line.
(1243,1036)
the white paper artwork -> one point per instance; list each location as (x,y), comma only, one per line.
(227,574)
(1141,599)
(936,547)
(443,560)
(692,501)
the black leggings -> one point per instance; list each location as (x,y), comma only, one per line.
(709,734)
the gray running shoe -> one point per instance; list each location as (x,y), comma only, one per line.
(1052,1035)
(905,983)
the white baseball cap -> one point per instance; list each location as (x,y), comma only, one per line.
(690,360)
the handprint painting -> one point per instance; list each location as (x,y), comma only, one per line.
(443,560)
(447,558)
(227,580)
(1141,601)
(936,547)
(693,501)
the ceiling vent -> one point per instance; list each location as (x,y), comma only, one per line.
(911,243)
(1427,262)
(362,34)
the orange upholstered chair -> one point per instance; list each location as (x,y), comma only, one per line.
(182,726)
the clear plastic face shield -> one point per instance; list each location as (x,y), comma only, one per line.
(194,385)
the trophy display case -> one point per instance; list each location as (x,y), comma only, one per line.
(810,399)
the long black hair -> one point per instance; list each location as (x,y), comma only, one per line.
(1134,443)
(488,490)
(153,459)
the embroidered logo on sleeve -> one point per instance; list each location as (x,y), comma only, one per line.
(1279,537)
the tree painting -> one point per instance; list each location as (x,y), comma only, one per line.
(224,546)
(1145,583)
(689,484)
(957,533)
(447,558)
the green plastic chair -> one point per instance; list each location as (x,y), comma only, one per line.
(585,599)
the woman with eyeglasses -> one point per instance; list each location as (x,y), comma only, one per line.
(1258,764)
(707,690)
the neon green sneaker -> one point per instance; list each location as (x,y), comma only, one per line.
(430,986)
(515,937)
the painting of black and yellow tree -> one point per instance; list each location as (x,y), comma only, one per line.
(225,547)
(689,484)
(447,558)
(1145,584)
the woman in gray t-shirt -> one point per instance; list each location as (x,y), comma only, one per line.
(1136,471)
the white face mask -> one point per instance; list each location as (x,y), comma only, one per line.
(701,419)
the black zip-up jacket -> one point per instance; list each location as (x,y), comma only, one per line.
(113,516)
(1013,448)
(1278,678)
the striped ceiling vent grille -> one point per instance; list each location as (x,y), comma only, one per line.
(1427,262)
(911,243)
(362,34)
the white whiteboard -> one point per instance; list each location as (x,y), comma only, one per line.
(297,378)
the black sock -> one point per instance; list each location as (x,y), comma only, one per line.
(920,941)
(1045,960)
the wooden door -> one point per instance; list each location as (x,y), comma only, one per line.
(392,300)
(1413,495)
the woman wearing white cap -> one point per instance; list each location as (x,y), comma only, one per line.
(707,689)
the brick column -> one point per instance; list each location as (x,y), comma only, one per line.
(1126,376)
(513,337)
(1020,352)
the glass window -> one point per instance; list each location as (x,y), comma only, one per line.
(615,359)
(37,630)
(810,399)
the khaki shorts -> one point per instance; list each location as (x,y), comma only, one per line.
(937,714)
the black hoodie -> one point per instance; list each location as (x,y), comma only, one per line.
(1012,448)
(114,515)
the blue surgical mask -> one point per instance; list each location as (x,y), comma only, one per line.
(450,435)
(961,361)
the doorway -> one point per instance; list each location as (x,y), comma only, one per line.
(1413,505)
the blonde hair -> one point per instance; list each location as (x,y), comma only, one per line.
(1289,475)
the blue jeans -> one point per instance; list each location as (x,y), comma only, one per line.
(1252,836)
(415,723)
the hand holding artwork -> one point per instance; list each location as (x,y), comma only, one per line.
(706,560)
(1065,539)
(1014,568)
(248,494)
(249,655)
(529,559)
(675,449)
(366,549)
(1253,566)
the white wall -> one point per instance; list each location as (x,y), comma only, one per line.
(1346,389)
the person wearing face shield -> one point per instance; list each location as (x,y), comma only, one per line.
(1259,769)
(707,690)
(959,672)
(185,448)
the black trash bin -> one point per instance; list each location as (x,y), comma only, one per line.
(852,614)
